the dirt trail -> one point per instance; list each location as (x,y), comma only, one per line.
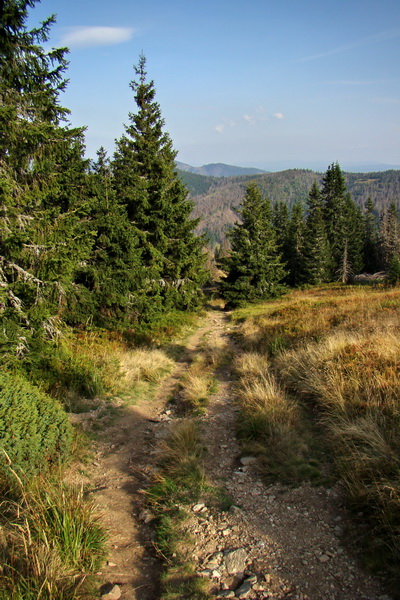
(289,542)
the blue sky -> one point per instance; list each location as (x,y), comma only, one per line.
(256,83)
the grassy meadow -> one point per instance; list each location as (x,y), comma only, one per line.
(319,390)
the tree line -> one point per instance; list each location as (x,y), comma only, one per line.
(332,239)
(111,241)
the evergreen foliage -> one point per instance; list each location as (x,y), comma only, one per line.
(113,274)
(281,222)
(316,248)
(389,235)
(296,246)
(34,429)
(148,186)
(43,226)
(371,239)
(254,268)
(343,224)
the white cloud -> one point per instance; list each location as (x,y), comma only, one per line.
(220,128)
(86,37)
(249,119)
(279,115)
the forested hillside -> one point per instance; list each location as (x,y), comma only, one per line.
(215,198)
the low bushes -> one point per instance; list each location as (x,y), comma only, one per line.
(34,429)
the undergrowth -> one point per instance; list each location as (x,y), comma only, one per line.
(51,543)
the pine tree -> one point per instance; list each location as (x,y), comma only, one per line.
(254,268)
(316,265)
(389,235)
(343,225)
(371,241)
(280,219)
(43,218)
(296,250)
(113,274)
(156,202)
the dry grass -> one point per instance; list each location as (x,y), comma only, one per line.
(338,348)
(271,423)
(50,543)
(143,365)
(347,372)
(311,315)
(199,380)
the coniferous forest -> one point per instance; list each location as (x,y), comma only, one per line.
(96,254)
(330,239)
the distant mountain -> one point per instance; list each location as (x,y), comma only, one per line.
(218,170)
(368,168)
(215,198)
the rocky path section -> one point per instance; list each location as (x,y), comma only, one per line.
(122,467)
(275,541)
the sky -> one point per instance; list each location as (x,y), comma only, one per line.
(262,83)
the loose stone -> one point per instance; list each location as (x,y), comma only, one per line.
(113,592)
(235,561)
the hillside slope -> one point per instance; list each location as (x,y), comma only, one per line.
(216,198)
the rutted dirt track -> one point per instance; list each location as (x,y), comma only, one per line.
(281,543)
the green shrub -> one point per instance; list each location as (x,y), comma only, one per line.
(34,429)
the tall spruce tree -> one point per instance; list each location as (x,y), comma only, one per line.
(296,250)
(389,235)
(371,240)
(317,260)
(156,201)
(343,225)
(113,275)
(43,213)
(281,221)
(254,269)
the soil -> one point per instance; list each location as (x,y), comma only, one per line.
(294,541)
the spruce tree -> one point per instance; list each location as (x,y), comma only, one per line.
(371,242)
(343,225)
(113,274)
(316,266)
(43,213)
(296,249)
(254,269)
(156,201)
(281,222)
(389,235)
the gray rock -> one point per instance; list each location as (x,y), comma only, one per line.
(323,558)
(235,561)
(244,590)
(111,592)
(248,460)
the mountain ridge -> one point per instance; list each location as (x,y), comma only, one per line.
(219,170)
(216,198)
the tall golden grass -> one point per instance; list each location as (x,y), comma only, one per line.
(271,424)
(337,349)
